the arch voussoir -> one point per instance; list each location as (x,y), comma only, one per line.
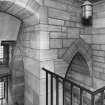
(83,48)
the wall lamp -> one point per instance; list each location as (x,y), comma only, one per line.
(87,13)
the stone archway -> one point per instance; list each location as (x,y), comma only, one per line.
(26,11)
(79,54)
(78,71)
(83,48)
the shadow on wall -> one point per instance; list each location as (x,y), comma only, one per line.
(79,70)
(17,80)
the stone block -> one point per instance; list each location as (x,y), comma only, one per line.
(98,7)
(26,44)
(99,23)
(48,54)
(55,43)
(78,24)
(97,31)
(26,36)
(40,2)
(19,73)
(80,78)
(29,29)
(102,46)
(67,42)
(87,38)
(44,40)
(49,65)
(32,66)
(98,69)
(64,29)
(54,28)
(14,9)
(67,56)
(104,70)
(32,88)
(43,27)
(99,53)
(103,76)
(33,5)
(71,24)
(61,52)
(87,31)
(58,35)
(31,20)
(31,53)
(43,16)
(6,5)
(73,8)
(55,21)
(43,100)
(96,47)
(27,101)
(98,39)
(97,74)
(34,44)
(100,14)
(73,32)
(54,13)
(35,40)
(29,93)
(99,59)
(35,84)
(39,40)
(99,64)
(55,4)
(19,90)
(76,19)
(98,83)
(18,64)
(60,67)
(36,99)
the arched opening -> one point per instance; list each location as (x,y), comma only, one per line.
(24,11)
(78,72)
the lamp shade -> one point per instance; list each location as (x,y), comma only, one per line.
(87,10)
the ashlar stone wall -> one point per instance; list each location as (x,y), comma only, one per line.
(59,30)
(98,43)
(49,27)
(27,47)
(63,27)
